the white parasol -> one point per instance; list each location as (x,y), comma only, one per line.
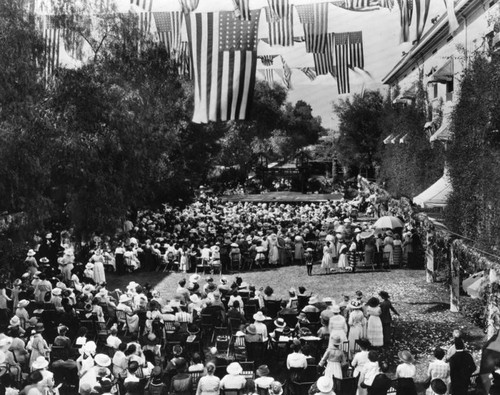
(388,222)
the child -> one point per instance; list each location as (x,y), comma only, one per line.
(308,256)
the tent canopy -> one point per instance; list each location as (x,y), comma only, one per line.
(436,195)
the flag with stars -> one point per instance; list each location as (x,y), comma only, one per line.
(279,17)
(342,62)
(356,54)
(314,19)
(224,55)
(168,27)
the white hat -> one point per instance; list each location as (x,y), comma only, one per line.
(234,368)
(40,363)
(31,252)
(258,316)
(89,265)
(124,298)
(102,360)
(325,384)
(56,292)
(23,303)
(194,298)
(5,341)
(194,278)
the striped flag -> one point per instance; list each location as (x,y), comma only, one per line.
(387,4)
(405,14)
(224,55)
(279,17)
(184,61)
(358,5)
(188,6)
(452,17)
(267,60)
(324,62)
(356,54)
(314,19)
(309,72)
(242,9)
(146,5)
(422,11)
(168,26)
(268,76)
(342,60)
(287,74)
(51,37)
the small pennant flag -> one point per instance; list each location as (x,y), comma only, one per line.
(287,74)
(314,19)
(279,17)
(224,56)
(309,72)
(242,9)
(422,11)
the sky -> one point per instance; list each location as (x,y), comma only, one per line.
(382,49)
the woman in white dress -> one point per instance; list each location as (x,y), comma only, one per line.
(99,274)
(389,247)
(374,331)
(337,325)
(342,264)
(327,262)
(357,324)
(273,249)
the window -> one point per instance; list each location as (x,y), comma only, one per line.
(435,90)
(449,90)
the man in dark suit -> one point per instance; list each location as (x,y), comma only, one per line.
(461,368)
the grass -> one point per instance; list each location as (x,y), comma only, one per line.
(425,320)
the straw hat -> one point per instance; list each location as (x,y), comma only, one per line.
(258,316)
(279,323)
(325,384)
(313,299)
(262,370)
(31,252)
(124,298)
(14,321)
(405,356)
(102,360)
(89,265)
(40,363)
(336,340)
(56,292)
(251,329)
(39,327)
(194,278)
(44,260)
(355,304)
(234,368)
(194,298)
(327,299)
(276,388)
(335,309)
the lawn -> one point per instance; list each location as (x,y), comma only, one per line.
(425,320)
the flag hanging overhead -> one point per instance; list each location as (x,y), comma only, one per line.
(356,54)
(422,11)
(309,72)
(342,62)
(242,9)
(224,54)
(452,17)
(358,5)
(314,19)
(405,14)
(168,26)
(287,74)
(324,62)
(279,17)
(267,60)
(268,76)
(188,6)
(146,5)
(51,37)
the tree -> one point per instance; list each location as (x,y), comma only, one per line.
(360,130)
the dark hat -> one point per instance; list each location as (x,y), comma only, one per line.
(383,295)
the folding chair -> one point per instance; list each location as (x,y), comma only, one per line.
(195,378)
(248,369)
(222,338)
(273,306)
(250,310)
(121,318)
(58,352)
(234,325)
(207,325)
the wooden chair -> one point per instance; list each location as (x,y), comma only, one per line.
(248,369)
(273,306)
(58,352)
(227,391)
(195,378)
(346,386)
(250,310)
(234,325)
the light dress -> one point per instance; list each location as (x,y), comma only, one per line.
(374,331)
(327,261)
(357,325)
(334,358)
(208,385)
(342,263)
(337,326)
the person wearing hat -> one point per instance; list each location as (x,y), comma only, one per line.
(155,384)
(279,324)
(386,307)
(37,344)
(334,358)
(380,384)
(131,318)
(374,329)
(183,291)
(389,247)
(405,374)
(438,369)
(311,306)
(30,263)
(251,335)
(342,249)
(10,359)
(181,383)
(462,366)
(56,299)
(14,329)
(233,379)
(327,261)
(41,286)
(357,324)
(337,325)
(260,327)
(325,385)
(61,340)
(360,359)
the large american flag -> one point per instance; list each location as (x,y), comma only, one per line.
(314,19)
(168,27)
(189,5)
(242,9)
(405,14)
(279,17)
(224,54)
(51,34)
(342,60)
(324,62)
(356,54)
(358,5)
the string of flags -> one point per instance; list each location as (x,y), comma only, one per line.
(219,49)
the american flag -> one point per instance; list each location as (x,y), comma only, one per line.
(51,37)
(189,5)
(242,9)
(358,5)
(356,54)
(184,61)
(309,72)
(146,5)
(168,26)
(314,18)
(452,17)
(279,17)
(268,76)
(422,10)
(224,51)
(405,14)
(324,62)
(267,60)
(387,4)
(287,74)
(341,60)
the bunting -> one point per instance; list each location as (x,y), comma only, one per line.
(358,5)
(287,74)
(314,19)
(405,14)
(168,26)
(188,6)
(309,72)
(51,37)
(268,76)
(279,17)
(242,9)
(422,11)
(356,54)
(224,55)
(267,60)
(342,62)
(452,17)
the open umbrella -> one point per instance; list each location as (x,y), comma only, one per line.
(388,222)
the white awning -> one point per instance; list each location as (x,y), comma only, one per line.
(436,195)
(442,134)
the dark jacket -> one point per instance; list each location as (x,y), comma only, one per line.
(380,386)
(461,368)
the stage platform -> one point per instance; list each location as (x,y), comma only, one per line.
(283,197)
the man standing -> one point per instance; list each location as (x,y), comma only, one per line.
(386,318)
(461,368)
